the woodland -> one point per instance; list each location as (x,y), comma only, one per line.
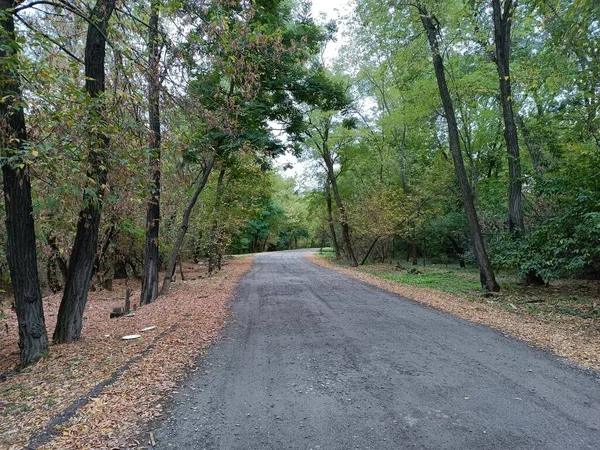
(138,136)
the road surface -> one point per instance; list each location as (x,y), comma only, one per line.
(312,359)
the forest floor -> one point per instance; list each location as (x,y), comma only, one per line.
(563,317)
(101,390)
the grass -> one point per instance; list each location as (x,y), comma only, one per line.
(447,281)
(244,255)
(326,252)
(455,281)
(563,298)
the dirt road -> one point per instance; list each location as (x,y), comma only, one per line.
(312,359)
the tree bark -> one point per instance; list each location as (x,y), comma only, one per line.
(414,253)
(460,252)
(338,198)
(488,280)
(215,232)
(334,240)
(502,15)
(151,263)
(362,263)
(81,263)
(103,250)
(402,161)
(55,261)
(533,147)
(20,243)
(185,221)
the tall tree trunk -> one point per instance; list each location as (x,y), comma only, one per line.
(533,147)
(402,160)
(488,280)
(334,240)
(110,234)
(81,263)
(20,243)
(215,232)
(503,13)
(55,261)
(338,199)
(151,263)
(460,252)
(468,147)
(414,252)
(364,260)
(185,221)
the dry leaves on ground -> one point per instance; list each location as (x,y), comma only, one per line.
(187,320)
(574,338)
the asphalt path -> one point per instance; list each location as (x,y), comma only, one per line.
(312,359)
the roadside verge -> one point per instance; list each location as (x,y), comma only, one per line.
(100,391)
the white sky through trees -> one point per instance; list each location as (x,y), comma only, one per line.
(333,10)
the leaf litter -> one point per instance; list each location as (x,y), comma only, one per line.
(186,320)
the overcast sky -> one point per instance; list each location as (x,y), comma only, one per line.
(333,9)
(329,7)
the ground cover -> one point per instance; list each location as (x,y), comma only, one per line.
(100,391)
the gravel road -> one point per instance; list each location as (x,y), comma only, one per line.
(312,359)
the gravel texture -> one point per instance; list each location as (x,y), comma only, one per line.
(313,359)
(574,338)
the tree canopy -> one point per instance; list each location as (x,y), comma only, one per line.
(136,135)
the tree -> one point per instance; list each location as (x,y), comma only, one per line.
(503,15)
(431,28)
(152,264)
(207,167)
(21,243)
(330,222)
(215,232)
(243,85)
(83,254)
(319,131)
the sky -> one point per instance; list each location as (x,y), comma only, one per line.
(333,9)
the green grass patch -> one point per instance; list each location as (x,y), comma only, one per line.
(245,255)
(327,252)
(452,281)
(562,298)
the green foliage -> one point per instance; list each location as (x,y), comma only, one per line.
(242,70)
(280,220)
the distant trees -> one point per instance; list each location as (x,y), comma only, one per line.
(501,75)
(172,91)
